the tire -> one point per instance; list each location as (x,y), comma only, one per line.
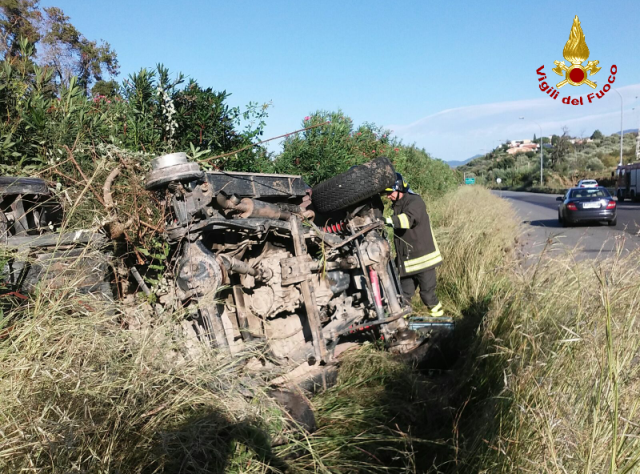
(353,186)
(562,222)
(613,221)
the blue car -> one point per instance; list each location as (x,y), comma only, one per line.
(587,204)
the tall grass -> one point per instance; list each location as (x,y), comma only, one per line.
(566,340)
(543,372)
(476,233)
(550,380)
(80,393)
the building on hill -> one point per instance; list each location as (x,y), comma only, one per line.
(522,148)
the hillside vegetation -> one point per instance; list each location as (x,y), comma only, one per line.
(66,123)
(564,163)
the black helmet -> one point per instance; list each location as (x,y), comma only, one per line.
(400,185)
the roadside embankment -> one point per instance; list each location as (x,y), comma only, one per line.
(550,380)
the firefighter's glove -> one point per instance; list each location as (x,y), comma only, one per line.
(388,221)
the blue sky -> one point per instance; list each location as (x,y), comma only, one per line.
(453,77)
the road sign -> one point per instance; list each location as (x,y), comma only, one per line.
(498,181)
(469,180)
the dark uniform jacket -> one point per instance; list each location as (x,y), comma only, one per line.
(416,247)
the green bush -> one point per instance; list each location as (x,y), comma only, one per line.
(334,145)
(150,113)
(326,150)
(594,164)
(424,174)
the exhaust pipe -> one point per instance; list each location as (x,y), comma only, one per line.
(252,208)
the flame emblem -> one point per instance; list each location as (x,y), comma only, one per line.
(576,52)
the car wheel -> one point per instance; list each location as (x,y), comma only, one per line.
(561,221)
(613,221)
(353,186)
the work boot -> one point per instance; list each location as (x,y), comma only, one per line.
(436,311)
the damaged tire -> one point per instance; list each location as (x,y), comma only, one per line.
(354,186)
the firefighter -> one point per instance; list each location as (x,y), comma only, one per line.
(417,252)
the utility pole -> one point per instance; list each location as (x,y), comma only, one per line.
(621,129)
(637,136)
(541,143)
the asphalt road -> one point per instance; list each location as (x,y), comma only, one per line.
(539,214)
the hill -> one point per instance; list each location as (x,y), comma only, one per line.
(566,160)
(631,130)
(456,163)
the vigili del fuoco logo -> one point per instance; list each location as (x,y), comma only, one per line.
(576,52)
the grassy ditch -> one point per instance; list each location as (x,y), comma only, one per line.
(80,393)
(561,362)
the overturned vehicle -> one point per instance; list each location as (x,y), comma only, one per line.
(256,259)
(265,258)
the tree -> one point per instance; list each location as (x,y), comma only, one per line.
(425,175)
(71,53)
(326,150)
(56,43)
(561,148)
(18,19)
(594,164)
(507,162)
(597,135)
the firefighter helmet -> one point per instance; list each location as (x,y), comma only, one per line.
(400,185)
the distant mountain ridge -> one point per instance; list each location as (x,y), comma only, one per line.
(456,163)
(631,130)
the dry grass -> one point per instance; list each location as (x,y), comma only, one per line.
(550,381)
(567,341)
(476,233)
(79,393)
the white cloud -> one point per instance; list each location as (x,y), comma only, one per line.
(457,134)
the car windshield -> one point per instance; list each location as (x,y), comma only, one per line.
(589,193)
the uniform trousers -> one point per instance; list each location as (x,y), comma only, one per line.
(426,280)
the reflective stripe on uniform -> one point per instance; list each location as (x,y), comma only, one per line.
(423,262)
(435,242)
(436,310)
(426,261)
(404,221)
